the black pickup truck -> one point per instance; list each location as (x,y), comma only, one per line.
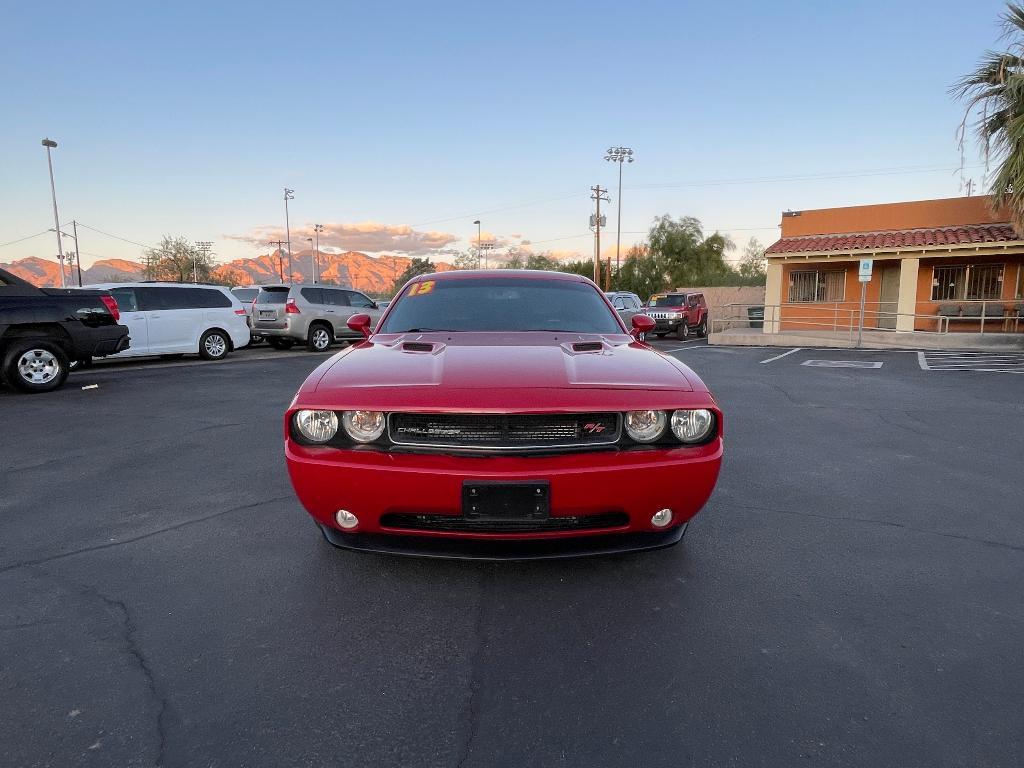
(44,330)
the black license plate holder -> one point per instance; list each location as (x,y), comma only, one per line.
(529,500)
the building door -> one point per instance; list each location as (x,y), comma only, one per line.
(888,296)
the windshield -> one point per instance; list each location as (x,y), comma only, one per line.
(501,304)
(675,300)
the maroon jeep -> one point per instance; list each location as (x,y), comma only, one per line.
(680,313)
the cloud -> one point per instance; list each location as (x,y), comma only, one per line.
(366,236)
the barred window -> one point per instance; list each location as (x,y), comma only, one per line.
(817,285)
(979,282)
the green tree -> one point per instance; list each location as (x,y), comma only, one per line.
(176,259)
(585,268)
(688,257)
(466,260)
(754,264)
(416,267)
(994,94)
(641,273)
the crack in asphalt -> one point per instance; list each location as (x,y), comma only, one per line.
(888,523)
(132,649)
(475,684)
(140,537)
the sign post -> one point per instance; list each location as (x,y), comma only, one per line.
(864,276)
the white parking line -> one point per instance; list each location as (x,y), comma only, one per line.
(841,364)
(779,357)
(988,362)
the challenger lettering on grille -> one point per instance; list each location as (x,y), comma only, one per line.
(504,431)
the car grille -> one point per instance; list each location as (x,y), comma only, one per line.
(503,432)
(459,524)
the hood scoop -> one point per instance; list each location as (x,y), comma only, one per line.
(587,346)
(418,346)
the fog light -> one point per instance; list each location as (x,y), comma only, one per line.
(348,521)
(659,519)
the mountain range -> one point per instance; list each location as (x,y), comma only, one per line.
(351,268)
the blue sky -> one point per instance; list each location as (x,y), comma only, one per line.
(412,119)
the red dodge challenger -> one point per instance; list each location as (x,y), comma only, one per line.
(502,414)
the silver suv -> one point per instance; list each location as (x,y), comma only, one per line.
(314,315)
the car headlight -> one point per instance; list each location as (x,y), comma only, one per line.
(692,426)
(645,426)
(317,426)
(363,426)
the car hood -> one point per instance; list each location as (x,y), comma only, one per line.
(504,361)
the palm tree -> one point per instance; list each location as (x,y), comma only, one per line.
(994,94)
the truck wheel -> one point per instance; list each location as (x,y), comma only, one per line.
(214,345)
(683,331)
(702,329)
(319,338)
(36,366)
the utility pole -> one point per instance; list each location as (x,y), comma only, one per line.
(619,155)
(204,247)
(78,253)
(289,194)
(317,228)
(280,257)
(597,195)
(51,144)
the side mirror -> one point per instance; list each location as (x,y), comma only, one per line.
(642,325)
(360,324)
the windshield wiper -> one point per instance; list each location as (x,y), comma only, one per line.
(426,330)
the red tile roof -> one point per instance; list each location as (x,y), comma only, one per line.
(901,238)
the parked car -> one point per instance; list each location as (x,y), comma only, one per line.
(174,319)
(502,414)
(680,313)
(43,331)
(626,304)
(314,315)
(247,295)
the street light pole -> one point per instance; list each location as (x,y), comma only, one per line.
(289,194)
(50,144)
(479,247)
(317,228)
(619,155)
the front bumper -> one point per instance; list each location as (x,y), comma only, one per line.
(532,549)
(632,483)
(667,325)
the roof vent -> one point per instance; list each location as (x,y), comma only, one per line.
(417,346)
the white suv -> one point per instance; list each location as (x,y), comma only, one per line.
(173,319)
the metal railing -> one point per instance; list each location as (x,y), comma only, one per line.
(837,317)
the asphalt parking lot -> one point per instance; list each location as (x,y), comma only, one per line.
(852,595)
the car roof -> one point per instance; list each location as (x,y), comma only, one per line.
(532,274)
(156,284)
(288,286)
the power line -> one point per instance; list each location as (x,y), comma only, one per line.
(116,237)
(23,239)
(895,171)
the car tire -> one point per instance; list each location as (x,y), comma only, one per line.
(683,331)
(278,343)
(319,338)
(214,345)
(702,329)
(36,366)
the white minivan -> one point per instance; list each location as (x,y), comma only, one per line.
(174,319)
